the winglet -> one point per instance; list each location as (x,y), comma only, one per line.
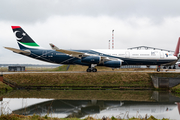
(177,48)
(53,46)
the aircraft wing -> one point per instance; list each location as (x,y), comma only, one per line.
(68,52)
(17,50)
(171,63)
(80,54)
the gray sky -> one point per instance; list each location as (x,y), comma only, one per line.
(87,24)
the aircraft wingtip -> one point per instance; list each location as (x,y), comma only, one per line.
(53,46)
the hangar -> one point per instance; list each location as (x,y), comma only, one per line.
(16,68)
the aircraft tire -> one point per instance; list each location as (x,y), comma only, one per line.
(88,70)
(158,69)
(94,70)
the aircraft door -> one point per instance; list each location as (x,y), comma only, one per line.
(127,55)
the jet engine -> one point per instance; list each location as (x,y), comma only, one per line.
(113,64)
(91,59)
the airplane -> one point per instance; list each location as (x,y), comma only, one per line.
(177,63)
(113,58)
(84,108)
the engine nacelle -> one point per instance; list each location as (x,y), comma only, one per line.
(91,59)
(113,64)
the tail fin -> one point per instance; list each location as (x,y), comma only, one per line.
(177,48)
(23,39)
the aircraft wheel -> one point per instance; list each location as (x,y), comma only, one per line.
(94,70)
(158,69)
(170,67)
(164,67)
(174,67)
(88,70)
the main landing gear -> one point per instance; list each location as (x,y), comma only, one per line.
(92,68)
(174,67)
(158,68)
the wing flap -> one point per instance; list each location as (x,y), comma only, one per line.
(70,52)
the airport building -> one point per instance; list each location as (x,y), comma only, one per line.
(16,68)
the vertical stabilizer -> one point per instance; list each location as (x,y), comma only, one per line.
(178,107)
(177,48)
(23,39)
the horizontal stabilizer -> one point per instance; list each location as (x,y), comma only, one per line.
(18,51)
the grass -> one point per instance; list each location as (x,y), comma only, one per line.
(4,86)
(37,117)
(82,79)
(128,95)
(34,117)
(102,79)
(176,89)
(31,68)
(3,69)
(100,68)
(76,68)
(60,68)
(87,80)
(39,69)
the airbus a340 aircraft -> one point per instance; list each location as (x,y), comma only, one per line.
(95,57)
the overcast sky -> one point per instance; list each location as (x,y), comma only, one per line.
(87,24)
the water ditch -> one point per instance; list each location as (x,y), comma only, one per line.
(114,94)
(95,103)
